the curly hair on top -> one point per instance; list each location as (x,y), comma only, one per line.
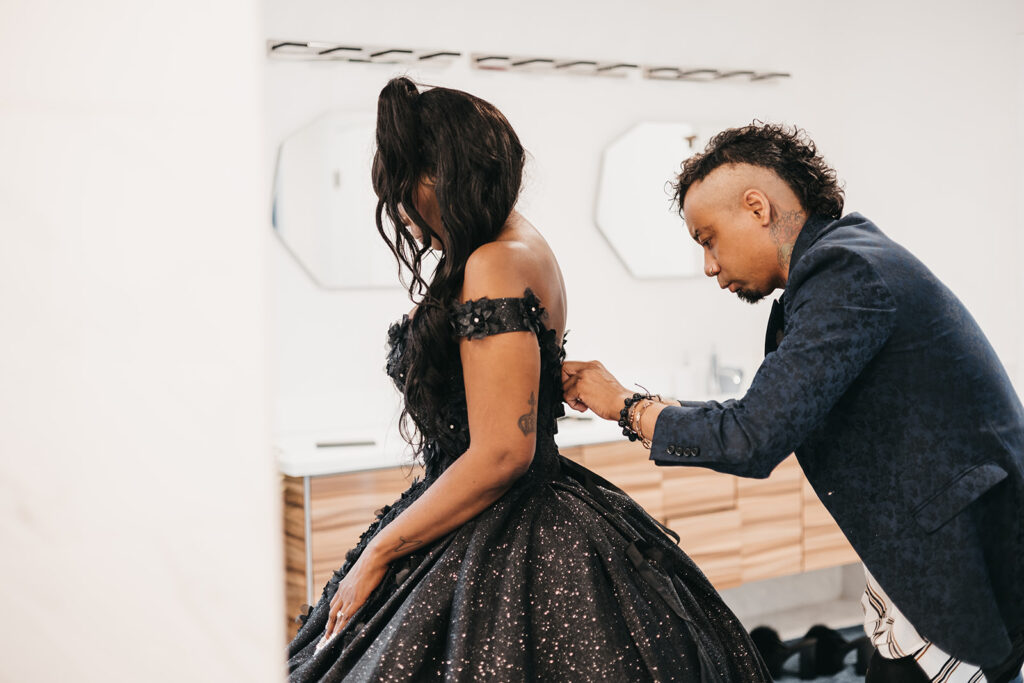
(789,152)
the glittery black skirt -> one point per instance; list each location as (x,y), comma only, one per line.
(564,578)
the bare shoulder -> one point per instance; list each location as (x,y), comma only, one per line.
(500,269)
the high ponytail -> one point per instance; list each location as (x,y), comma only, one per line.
(395,174)
(475,161)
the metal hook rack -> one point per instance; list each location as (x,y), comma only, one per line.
(487,61)
(338,52)
(533,64)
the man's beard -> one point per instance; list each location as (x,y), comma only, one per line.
(750,296)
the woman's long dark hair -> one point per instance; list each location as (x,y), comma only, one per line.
(467,148)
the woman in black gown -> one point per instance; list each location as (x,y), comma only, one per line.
(507,561)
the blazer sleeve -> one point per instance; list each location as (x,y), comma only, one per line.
(841,314)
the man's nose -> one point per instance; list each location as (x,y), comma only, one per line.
(710,267)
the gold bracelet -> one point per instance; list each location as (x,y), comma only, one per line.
(636,411)
(638,424)
(632,414)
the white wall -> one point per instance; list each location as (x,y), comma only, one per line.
(914,103)
(139,520)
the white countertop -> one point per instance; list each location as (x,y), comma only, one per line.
(311,454)
(316,453)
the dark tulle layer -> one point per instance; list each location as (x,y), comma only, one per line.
(564,578)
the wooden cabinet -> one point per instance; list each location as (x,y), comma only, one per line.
(714,540)
(736,530)
(771,517)
(323,519)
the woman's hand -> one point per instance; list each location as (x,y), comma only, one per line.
(364,576)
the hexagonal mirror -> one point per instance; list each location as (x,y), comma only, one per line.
(324,203)
(634,208)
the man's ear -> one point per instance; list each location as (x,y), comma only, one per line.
(756,202)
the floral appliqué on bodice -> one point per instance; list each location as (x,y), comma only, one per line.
(476,319)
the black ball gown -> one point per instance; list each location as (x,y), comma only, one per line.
(564,578)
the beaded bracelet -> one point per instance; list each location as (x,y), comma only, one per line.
(624,415)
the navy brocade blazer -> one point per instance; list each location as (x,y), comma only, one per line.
(904,422)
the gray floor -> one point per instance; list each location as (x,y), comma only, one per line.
(792,604)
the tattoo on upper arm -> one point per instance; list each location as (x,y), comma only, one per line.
(406,543)
(528,421)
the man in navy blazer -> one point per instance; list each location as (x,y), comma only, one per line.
(900,414)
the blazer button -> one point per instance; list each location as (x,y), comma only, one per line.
(671,449)
(696,450)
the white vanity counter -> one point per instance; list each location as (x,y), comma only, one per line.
(312,454)
(317,453)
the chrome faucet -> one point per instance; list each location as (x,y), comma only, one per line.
(724,379)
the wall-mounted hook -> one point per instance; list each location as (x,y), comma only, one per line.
(532,61)
(615,69)
(339,48)
(663,72)
(392,51)
(733,74)
(768,75)
(699,74)
(439,55)
(490,62)
(578,62)
(281,46)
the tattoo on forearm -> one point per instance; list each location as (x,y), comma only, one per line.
(406,544)
(528,421)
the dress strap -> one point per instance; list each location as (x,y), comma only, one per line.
(479,318)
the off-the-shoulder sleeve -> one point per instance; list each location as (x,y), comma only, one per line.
(479,318)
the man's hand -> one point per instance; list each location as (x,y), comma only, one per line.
(590,386)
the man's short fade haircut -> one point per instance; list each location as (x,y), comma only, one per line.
(788,152)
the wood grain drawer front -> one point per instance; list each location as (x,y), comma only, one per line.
(786,477)
(714,542)
(329,549)
(696,490)
(771,512)
(351,499)
(294,551)
(627,465)
(343,506)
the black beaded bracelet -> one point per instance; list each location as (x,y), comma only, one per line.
(624,415)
